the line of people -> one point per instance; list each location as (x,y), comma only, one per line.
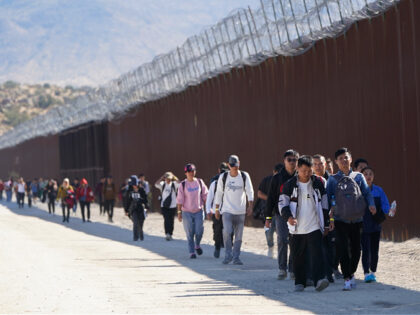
(322,220)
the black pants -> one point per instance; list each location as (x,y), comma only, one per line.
(1,194)
(370,251)
(307,244)
(138,219)
(51,205)
(328,250)
(109,207)
(101,204)
(217,232)
(66,211)
(20,199)
(168,219)
(84,204)
(348,246)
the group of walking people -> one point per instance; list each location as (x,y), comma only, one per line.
(322,220)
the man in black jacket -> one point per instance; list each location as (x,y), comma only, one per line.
(272,211)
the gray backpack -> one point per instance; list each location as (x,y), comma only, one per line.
(350,202)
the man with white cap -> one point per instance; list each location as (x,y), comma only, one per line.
(233,190)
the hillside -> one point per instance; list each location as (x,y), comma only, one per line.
(20,102)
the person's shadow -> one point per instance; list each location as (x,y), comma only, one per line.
(258,275)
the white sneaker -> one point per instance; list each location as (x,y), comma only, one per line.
(322,284)
(282,274)
(270,252)
(347,285)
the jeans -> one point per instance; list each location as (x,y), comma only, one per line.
(348,246)
(193,226)
(168,219)
(282,243)
(109,207)
(20,199)
(84,204)
(233,223)
(303,246)
(218,232)
(51,205)
(370,251)
(64,208)
(269,234)
(9,195)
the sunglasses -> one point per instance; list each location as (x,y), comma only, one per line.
(291,160)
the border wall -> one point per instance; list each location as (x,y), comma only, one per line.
(359,90)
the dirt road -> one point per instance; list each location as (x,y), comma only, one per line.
(47,266)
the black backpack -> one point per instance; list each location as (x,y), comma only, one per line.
(168,200)
(350,202)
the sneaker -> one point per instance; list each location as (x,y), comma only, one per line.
(237,261)
(347,285)
(270,252)
(309,283)
(216,253)
(292,276)
(330,279)
(168,237)
(337,274)
(282,274)
(353,282)
(322,284)
(193,256)
(227,260)
(373,277)
(299,288)
(199,251)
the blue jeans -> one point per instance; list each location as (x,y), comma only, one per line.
(9,195)
(282,243)
(193,226)
(269,234)
(233,223)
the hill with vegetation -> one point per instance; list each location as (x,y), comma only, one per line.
(20,102)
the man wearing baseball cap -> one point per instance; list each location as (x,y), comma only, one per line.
(233,190)
(191,198)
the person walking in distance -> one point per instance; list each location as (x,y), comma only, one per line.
(272,212)
(66,196)
(233,190)
(1,189)
(168,185)
(191,198)
(137,205)
(51,191)
(217,223)
(348,197)
(109,193)
(99,192)
(21,188)
(303,205)
(84,195)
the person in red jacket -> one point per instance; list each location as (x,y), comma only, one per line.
(85,196)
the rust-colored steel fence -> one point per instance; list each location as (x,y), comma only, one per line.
(360,90)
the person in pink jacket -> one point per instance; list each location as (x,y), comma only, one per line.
(191,198)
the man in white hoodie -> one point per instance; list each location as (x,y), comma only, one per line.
(233,190)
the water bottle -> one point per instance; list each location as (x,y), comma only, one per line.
(393,208)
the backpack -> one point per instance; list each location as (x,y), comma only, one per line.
(168,200)
(350,202)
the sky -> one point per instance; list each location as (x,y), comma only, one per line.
(89,42)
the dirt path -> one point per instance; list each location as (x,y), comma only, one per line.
(50,267)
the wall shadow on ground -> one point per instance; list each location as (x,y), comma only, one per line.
(227,279)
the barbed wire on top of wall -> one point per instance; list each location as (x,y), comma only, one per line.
(245,37)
